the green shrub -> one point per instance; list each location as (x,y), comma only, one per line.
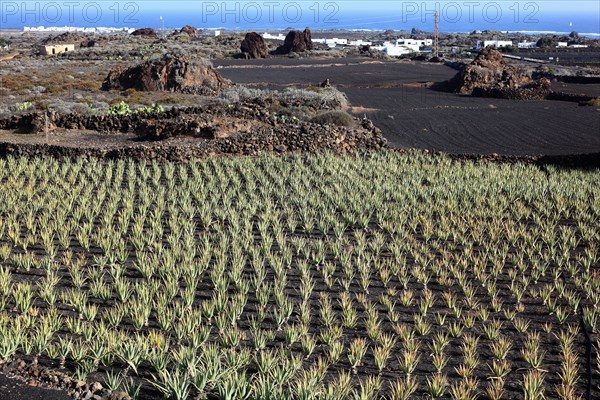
(594,102)
(151,109)
(123,108)
(338,118)
(24,106)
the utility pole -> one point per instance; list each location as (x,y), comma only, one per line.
(436,40)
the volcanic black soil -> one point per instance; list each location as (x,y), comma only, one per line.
(397,97)
(12,389)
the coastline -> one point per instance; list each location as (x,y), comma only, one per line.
(107,30)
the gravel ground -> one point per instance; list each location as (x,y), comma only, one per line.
(12,389)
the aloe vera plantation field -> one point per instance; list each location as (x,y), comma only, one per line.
(376,276)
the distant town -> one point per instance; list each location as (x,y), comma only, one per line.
(394,48)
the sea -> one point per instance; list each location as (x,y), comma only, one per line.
(282,15)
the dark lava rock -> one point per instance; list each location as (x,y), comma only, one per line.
(41,123)
(169,74)
(31,123)
(190,31)
(296,42)
(421,57)
(67,37)
(489,75)
(90,43)
(253,46)
(160,129)
(146,32)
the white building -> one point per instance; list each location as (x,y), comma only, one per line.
(404,46)
(342,42)
(414,44)
(578,46)
(217,33)
(332,42)
(494,43)
(562,44)
(359,43)
(267,35)
(98,29)
(393,50)
(527,45)
(53,49)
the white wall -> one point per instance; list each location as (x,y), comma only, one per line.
(267,35)
(494,43)
(527,45)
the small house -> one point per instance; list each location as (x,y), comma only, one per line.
(53,49)
(267,35)
(527,45)
(494,43)
(360,42)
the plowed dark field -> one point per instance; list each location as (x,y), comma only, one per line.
(411,115)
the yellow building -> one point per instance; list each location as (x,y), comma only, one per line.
(51,49)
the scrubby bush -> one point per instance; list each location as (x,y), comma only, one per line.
(100,107)
(238,93)
(338,118)
(546,41)
(509,49)
(295,113)
(60,106)
(316,98)
(82,109)
(292,102)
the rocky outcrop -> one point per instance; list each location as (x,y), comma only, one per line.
(190,31)
(144,32)
(31,123)
(203,125)
(67,37)
(169,74)
(296,42)
(489,75)
(253,46)
(95,42)
(534,90)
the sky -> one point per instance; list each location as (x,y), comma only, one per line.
(544,6)
(456,16)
